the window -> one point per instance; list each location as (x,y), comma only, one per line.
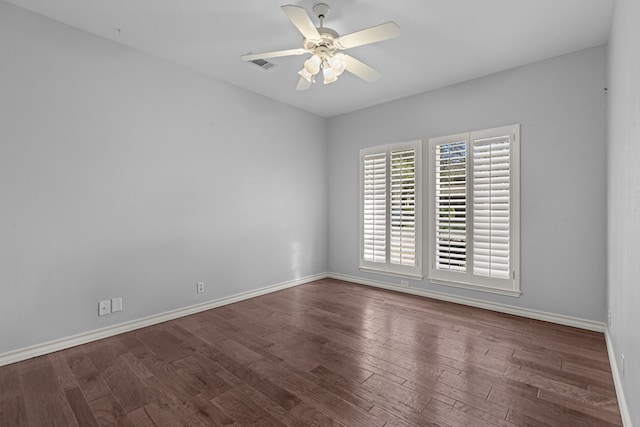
(390,209)
(474,210)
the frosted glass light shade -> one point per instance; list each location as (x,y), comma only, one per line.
(329,75)
(337,65)
(312,65)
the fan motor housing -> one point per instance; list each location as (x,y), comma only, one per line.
(327,43)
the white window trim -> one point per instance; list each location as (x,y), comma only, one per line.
(411,272)
(467,280)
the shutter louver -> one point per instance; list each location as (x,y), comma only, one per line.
(491,207)
(451,206)
(402,248)
(375,206)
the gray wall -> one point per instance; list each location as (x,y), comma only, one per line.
(623,174)
(124,175)
(560,104)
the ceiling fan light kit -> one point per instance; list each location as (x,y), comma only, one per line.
(324,45)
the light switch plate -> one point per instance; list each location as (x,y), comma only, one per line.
(116,304)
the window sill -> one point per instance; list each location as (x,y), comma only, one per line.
(499,291)
(392,273)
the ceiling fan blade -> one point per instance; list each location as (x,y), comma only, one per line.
(301,20)
(274,54)
(369,35)
(360,69)
(303,84)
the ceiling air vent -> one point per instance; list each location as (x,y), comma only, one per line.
(265,65)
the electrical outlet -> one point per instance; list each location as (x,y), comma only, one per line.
(404,283)
(200,288)
(116,304)
(609,318)
(104,307)
(622,368)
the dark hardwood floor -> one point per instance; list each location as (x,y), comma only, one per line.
(324,353)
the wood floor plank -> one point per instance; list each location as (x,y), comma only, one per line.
(312,416)
(64,374)
(140,418)
(136,366)
(326,401)
(194,411)
(191,342)
(238,352)
(199,377)
(80,408)
(162,416)
(240,371)
(325,356)
(274,409)
(441,412)
(108,412)
(348,390)
(563,388)
(91,383)
(10,380)
(606,410)
(13,412)
(405,396)
(243,410)
(125,386)
(394,420)
(326,353)
(499,382)
(162,344)
(44,398)
(480,414)
(166,375)
(462,382)
(533,410)
(208,413)
(598,376)
(279,395)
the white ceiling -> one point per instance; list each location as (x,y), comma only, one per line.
(442,41)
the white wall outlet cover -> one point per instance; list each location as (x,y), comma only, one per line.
(116,304)
(104,307)
(200,287)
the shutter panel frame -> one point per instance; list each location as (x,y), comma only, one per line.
(492,186)
(403,224)
(448,230)
(495,227)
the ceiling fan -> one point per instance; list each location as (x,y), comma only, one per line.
(325,44)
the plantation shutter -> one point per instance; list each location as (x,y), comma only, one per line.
(402,248)
(451,206)
(374,207)
(474,211)
(491,206)
(390,209)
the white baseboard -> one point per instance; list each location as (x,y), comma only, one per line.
(85,337)
(617,381)
(502,308)
(97,334)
